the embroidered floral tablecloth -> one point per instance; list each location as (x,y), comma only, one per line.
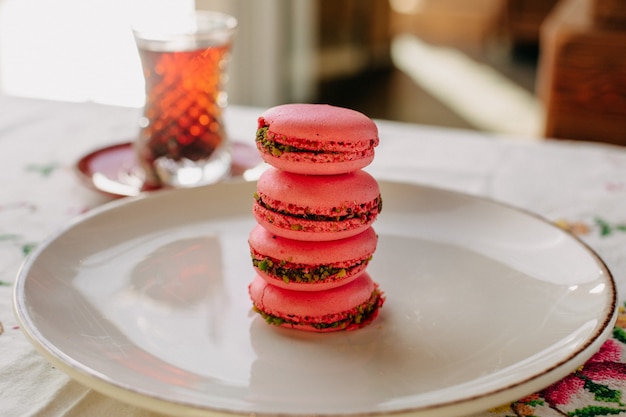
(579,186)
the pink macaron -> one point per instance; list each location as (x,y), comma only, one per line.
(316,139)
(310,266)
(347,307)
(316,207)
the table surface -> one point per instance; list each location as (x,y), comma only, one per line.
(579,186)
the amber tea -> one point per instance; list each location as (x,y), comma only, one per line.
(182,140)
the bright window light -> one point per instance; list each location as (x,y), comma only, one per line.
(74,50)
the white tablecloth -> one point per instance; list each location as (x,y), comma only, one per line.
(579,186)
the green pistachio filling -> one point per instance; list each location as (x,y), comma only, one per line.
(266,140)
(272,147)
(289,272)
(357,316)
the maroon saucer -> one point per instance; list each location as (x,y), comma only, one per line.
(113,170)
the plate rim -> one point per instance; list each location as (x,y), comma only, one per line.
(143,399)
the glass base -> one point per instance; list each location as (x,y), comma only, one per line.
(188,173)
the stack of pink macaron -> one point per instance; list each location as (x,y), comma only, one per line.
(315,207)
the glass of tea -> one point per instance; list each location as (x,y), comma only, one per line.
(182,140)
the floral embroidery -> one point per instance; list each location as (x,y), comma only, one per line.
(607,228)
(619,332)
(580,228)
(598,384)
(15,238)
(44,169)
(615,186)
(525,407)
(603,366)
(26,247)
(577,228)
(19,205)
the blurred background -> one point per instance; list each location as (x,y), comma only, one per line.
(488,65)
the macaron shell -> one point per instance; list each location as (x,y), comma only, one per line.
(308,230)
(285,303)
(361,246)
(302,312)
(290,202)
(321,164)
(319,122)
(318,191)
(351,255)
(330,140)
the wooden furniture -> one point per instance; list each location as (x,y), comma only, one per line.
(352,37)
(522,19)
(464,24)
(582,71)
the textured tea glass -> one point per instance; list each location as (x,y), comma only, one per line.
(182,140)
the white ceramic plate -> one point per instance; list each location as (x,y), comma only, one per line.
(146,301)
